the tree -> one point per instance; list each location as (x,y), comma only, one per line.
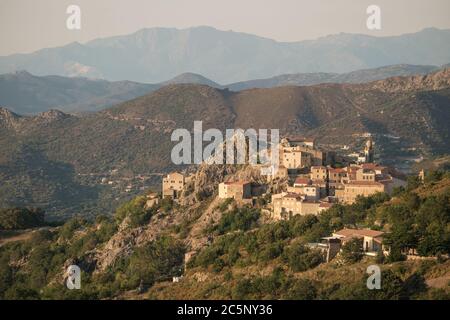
(159,260)
(301,258)
(136,211)
(303,289)
(413,182)
(352,250)
(21,218)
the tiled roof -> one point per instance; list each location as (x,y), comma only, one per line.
(325,205)
(293,196)
(306,181)
(359,232)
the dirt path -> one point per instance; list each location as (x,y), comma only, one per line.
(13,236)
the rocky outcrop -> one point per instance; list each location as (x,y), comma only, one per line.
(8,119)
(433,81)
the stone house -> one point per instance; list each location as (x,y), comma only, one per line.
(238,190)
(372,239)
(173,185)
(152,199)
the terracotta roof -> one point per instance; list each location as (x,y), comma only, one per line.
(293,195)
(306,181)
(359,233)
(353,168)
(174,173)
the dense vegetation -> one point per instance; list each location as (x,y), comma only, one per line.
(245,258)
(419,221)
(21,218)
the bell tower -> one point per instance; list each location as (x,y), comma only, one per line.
(368,151)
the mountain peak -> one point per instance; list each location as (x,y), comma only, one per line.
(53,114)
(6,112)
(22,74)
(7,117)
(156,54)
(192,78)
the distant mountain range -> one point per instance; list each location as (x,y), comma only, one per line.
(157,54)
(56,161)
(359,76)
(25,93)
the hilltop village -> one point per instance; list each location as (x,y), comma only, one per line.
(316,180)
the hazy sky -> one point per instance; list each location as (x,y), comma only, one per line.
(28,25)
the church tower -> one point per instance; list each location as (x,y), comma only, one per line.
(368,151)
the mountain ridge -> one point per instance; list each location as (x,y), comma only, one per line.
(25,93)
(156,54)
(129,141)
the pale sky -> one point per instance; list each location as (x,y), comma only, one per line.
(29,25)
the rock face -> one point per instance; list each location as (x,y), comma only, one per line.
(8,119)
(50,116)
(433,81)
(199,208)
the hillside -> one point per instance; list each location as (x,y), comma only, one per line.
(191,78)
(227,251)
(157,54)
(130,145)
(308,79)
(24,93)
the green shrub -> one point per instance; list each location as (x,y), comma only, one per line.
(300,258)
(21,218)
(352,250)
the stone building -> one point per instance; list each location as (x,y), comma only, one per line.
(372,239)
(173,185)
(238,190)
(286,205)
(152,199)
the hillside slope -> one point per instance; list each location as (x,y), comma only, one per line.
(24,93)
(225,250)
(132,140)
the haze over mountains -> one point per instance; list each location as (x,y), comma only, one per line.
(56,161)
(25,93)
(157,54)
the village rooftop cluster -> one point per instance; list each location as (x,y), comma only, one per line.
(318,180)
